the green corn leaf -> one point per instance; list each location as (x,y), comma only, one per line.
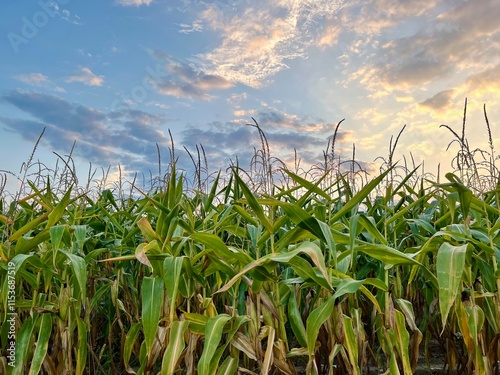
(24,246)
(23,340)
(387,254)
(475,322)
(254,204)
(236,324)
(372,229)
(42,344)
(346,286)
(245,215)
(464,193)
(295,320)
(309,248)
(391,256)
(303,219)
(175,347)
(130,340)
(315,320)
(210,197)
(172,268)
(213,335)
(304,269)
(450,265)
(80,233)
(308,185)
(81,354)
(403,338)
(99,294)
(56,235)
(359,197)
(58,211)
(327,234)
(228,367)
(79,270)
(27,227)
(152,300)
(212,241)
(393,365)
(351,345)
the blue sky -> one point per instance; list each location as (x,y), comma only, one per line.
(116,75)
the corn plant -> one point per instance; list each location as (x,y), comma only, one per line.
(312,276)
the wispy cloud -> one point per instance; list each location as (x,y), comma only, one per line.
(87,77)
(128,137)
(185,81)
(38,80)
(258,38)
(451,42)
(136,3)
(196,26)
(487,80)
(35,79)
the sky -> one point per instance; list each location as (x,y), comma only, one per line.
(117,75)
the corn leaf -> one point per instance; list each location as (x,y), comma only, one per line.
(213,335)
(152,300)
(176,344)
(314,322)
(42,343)
(450,265)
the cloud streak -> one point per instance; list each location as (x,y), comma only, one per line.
(258,39)
(35,79)
(127,137)
(136,3)
(185,81)
(87,77)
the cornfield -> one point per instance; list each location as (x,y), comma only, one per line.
(306,276)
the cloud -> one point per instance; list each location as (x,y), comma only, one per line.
(285,133)
(87,78)
(449,41)
(235,100)
(330,34)
(136,3)
(272,119)
(127,137)
(38,80)
(440,101)
(185,81)
(371,18)
(487,80)
(196,26)
(35,79)
(258,38)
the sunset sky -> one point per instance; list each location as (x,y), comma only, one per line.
(115,75)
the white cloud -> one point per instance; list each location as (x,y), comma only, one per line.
(196,26)
(330,34)
(136,3)
(87,77)
(35,79)
(258,38)
(448,42)
(39,80)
